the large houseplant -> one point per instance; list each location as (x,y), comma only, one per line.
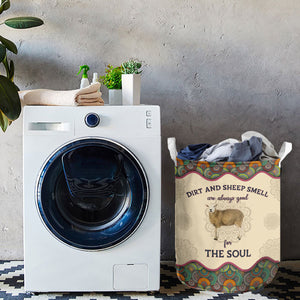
(113,81)
(10,106)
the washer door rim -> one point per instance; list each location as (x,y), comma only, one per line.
(48,162)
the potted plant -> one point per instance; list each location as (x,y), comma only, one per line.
(131,82)
(10,105)
(113,81)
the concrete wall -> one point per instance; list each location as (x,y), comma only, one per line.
(216,68)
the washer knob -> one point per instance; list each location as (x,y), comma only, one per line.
(92,120)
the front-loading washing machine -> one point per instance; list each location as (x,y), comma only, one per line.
(92,198)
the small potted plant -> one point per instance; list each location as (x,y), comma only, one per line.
(131,82)
(113,81)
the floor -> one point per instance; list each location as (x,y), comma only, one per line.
(285,286)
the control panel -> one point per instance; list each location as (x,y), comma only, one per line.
(148,119)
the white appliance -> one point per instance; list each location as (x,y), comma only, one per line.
(92,198)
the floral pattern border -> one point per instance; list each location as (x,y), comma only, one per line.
(215,170)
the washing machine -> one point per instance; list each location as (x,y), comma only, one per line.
(92,198)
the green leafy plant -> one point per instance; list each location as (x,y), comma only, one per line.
(10,105)
(112,78)
(131,67)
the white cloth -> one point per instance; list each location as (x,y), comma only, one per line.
(86,96)
(219,151)
(172,149)
(285,149)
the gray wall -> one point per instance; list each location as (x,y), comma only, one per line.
(216,68)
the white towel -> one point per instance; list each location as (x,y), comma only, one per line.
(87,96)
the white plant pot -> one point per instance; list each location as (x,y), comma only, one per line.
(115,97)
(131,89)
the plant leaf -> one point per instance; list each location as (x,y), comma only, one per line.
(2,52)
(17,87)
(9,45)
(10,103)
(11,70)
(4,122)
(23,22)
(5,5)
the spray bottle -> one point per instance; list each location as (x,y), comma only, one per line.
(84,80)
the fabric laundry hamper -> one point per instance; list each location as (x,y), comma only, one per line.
(227,224)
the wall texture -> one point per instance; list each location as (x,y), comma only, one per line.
(216,68)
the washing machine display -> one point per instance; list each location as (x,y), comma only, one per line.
(92,193)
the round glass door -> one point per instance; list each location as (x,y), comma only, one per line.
(92,193)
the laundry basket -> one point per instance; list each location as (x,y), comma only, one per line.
(227,224)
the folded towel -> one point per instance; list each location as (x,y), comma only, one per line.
(96,103)
(87,98)
(82,97)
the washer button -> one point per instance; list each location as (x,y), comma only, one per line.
(148,113)
(92,120)
(148,123)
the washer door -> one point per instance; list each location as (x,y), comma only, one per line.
(92,193)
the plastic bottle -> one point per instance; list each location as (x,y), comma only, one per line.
(84,80)
(96,79)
